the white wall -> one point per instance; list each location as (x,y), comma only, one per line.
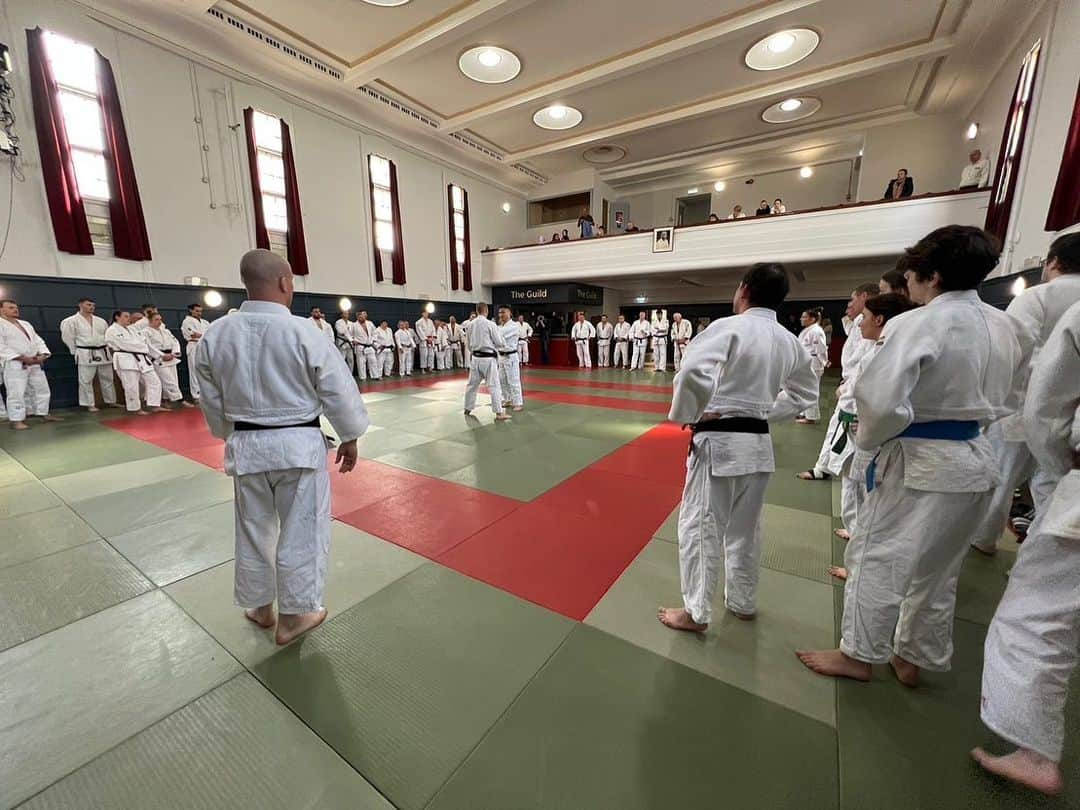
(187,237)
(932,148)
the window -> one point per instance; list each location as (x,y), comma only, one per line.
(271,168)
(558,209)
(382,203)
(457,217)
(460,258)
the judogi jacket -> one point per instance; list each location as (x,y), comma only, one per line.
(813,340)
(484,336)
(621,332)
(163,345)
(425,330)
(130,351)
(323,326)
(191,325)
(404,339)
(16,342)
(384,339)
(604,332)
(511,337)
(85,339)
(681,331)
(640,330)
(583,330)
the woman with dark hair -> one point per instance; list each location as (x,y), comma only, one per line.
(566,234)
(713,219)
(763,210)
(778,206)
(813,340)
(894,281)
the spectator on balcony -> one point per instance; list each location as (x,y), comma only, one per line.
(737,213)
(900,186)
(631,227)
(601,230)
(555,237)
(585,224)
(977,173)
(565,235)
(713,219)
(763,210)
(778,206)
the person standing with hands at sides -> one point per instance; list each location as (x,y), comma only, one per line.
(84,335)
(456,336)
(384,349)
(639,334)
(660,331)
(275,451)
(405,345)
(22,355)
(343,331)
(681,333)
(321,323)
(525,332)
(900,186)
(465,327)
(425,333)
(942,373)
(742,373)
(165,355)
(585,225)
(813,340)
(485,341)
(442,346)
(132,359)
(509,361)
(621,335)
(363,335)
(604,332)
(192,328)
(581,334)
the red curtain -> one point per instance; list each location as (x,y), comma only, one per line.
(262,237)
(1065,204)
(130,240)
(454,267)
(297,243)
(65,203)
(467,268)
(399,243)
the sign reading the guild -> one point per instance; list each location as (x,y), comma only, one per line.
(531,294)
(520,296)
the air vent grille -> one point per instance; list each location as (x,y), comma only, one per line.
(273,42)
(479,147)
(398,106)
(539,178)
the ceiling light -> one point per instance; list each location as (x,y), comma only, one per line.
(506,207)
(557,116)
(605,153)
(805,172)
(1018,286)
(790,105)
(212,299)
(641,299)
(429,307)
(693,190)
(386,3)
(489,64)
(782,49)
(791,109)
(720,185)
(344,304)
(972,131)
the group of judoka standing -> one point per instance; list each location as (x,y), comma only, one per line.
(640,334)
(946,405)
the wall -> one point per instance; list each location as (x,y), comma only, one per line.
(932,148)
(159,97)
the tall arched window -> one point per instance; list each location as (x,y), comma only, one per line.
(457,203)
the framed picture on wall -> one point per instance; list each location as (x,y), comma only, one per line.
(663,240)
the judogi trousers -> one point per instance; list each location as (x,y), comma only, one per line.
(813,413)
(193,380)
(282,539)
(903,563)
(27,391)
(510,379)
(603,353)
(367,365)
(348,356)
(427,355)
(719,527)
(484,370)
(386,359)
(523,350)
(640,347)
(170,385)
(131,379)
(622,353)
(677,353)
(584,356)
(405,361)
(456,356)
(442,358)
(659,354)
(104,374)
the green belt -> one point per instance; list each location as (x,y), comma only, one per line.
(847,420)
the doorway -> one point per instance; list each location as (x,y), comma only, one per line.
(693,210)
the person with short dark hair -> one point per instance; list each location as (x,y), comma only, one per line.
(946,370)
(763,209)
(585,224)
(84,335)
(900,186)
(192,329)
(509,361)
(133,361)
(713,219)
(321,323)
(894,281)
(778,206)
(22,355)
(485,341)
(581,333)
(740,374)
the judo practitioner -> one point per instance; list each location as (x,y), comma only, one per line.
(84,335)
(621,336)
(384,349)
(442,346)
(525,331)
(192,328)
(267,378)
(740,374)
(1035,313)
(943,371)
(681,334)
(321,323)
(133,363)
(510,361)
(22,356)
(894,281)
(639,335)
(165,355)
(660,331)
(363,337)
(465,338)
(855,346)
(343,332)
(456,335)
(405,348)
(581,333)
(485,341)
(425,334)
(812,337)
(1033,642)
(604,333)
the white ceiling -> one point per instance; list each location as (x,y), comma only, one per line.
(664,81)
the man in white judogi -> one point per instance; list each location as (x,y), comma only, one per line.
(363,336)
(621,336)
(681,334)
(442,346)
(456,335)
(84,335)
(485,340)
(425,334)
(525,332)
(659,341)
(1033,643)
(192,328)
(639,336)
(267,377)
(165,355)
(465,337)
(405,348)
(134,365)
(1035,313)
(942,372)
(742,373)
(321,323)
(343,338)
(604,333)
(384,349)
(510,361)
(581,333)
(22,355)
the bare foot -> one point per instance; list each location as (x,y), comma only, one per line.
(834,662)
(906,672)
(986,552)
(19,426)
(519,408)
(51,418)
(1024,767)
(502,417)
(92,409)
(843,534)
(742,617)
(838,571)
(262,616)
(159,409)
(679,619)
(112,405)
(291,626)
(141,413)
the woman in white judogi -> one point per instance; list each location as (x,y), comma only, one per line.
(84,335)
(1033,643)
(132,360)
(812,337)
(165,355)
(22,352)
(406,349)
(510,361)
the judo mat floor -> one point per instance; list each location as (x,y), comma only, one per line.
(492,640)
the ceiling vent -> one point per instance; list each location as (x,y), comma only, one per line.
(273,42)
(397,106)
(479,147)
(607,153)
(525,170)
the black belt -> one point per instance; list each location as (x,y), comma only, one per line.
(314,423)
(506,354)
(730,424)
(96,348)
(660,336)
(482,353)
(622,340)
(581,340)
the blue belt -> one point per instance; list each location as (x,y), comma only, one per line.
(946,430)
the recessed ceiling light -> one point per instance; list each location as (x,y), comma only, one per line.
(805,172)
(791,109)
(720,185)
(557,116)
(386,3)
(782,49)
(489,64)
